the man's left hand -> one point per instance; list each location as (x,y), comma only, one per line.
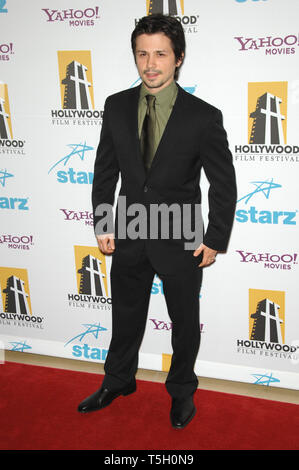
(209,255)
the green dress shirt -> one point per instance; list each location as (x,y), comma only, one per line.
(165,100)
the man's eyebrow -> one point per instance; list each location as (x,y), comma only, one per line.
(156,50)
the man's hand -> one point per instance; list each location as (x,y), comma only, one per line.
(209,255)
(106,243)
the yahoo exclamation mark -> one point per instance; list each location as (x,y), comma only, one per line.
(295,258)
(10,48)
(97,12)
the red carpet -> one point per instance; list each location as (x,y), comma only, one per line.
(38,411)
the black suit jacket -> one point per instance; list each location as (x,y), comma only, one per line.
(194,137)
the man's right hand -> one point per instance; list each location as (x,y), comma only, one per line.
(106,243)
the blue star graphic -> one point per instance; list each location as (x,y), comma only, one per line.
(265,379)
(90,329)
(78,149)
(3,177)
(263,187)
(18,346)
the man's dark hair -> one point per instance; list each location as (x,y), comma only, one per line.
(168,25)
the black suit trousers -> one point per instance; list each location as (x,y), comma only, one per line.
(131,289)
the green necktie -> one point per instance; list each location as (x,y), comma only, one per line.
(148,132)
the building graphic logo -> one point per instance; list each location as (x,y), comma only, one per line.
(75,75)
(5,119)
(168,7)
(267,113)
(14,291)
(93,281)
(175,8)
(15,303)
(267,320)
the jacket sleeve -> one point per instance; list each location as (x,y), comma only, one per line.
(217,163)
(106,168)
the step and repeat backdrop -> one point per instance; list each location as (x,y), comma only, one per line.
(59,60)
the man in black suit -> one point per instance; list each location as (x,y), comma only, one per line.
(158,137)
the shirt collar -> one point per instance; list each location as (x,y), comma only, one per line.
(163,97)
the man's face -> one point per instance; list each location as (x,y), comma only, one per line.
(155,60)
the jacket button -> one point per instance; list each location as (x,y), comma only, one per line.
(145,189)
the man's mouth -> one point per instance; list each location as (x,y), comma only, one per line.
(152,75)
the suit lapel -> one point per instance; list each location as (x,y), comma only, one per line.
(132,116)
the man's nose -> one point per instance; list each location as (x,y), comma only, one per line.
(151,61)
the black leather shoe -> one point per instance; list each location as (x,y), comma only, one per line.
(182,412)
(103,397)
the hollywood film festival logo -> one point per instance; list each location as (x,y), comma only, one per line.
(15,303)
(174,8)
(73,17)
(267,125)
(76,90)
(93,280)
(267,327)
(8,144)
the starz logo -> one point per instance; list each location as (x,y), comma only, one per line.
(255,216)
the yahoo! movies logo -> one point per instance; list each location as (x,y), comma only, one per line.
(267,321)
(6,51)
(267,122)
(270,45)
(15,304)
(78,151)
(75,216)
(17,242)
(93,280)
(86,17)
(76,90)
(269,260)
(8,145)
(262,191)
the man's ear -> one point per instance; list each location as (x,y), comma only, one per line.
(180,60)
